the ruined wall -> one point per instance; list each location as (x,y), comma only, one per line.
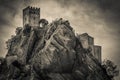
(87,42)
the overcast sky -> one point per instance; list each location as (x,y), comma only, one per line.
(99,18)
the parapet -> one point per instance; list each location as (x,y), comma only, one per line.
(32,9)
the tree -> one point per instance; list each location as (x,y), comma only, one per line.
(110,68)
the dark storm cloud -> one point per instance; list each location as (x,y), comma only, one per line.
(10,8)
(112,6)
(110,10)
(72,2)
(7,7)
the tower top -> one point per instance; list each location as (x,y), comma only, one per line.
(31,16)
(31,8)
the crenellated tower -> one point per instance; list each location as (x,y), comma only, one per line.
(31,16)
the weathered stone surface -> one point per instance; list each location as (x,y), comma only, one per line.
(58,54)
(50,52)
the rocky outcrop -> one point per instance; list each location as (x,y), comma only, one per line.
(50,52)
(58,53)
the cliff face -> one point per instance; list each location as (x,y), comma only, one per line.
(52,52)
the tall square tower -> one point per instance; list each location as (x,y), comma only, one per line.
(97,53)
(31,16)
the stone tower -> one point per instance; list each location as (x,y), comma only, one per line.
(98,53)
(31,16)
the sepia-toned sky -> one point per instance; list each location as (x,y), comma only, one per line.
(99,18)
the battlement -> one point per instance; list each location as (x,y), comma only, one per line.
(33,10)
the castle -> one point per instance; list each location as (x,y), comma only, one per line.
(42,51)
(31,17)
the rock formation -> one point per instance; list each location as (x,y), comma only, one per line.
(50,52)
